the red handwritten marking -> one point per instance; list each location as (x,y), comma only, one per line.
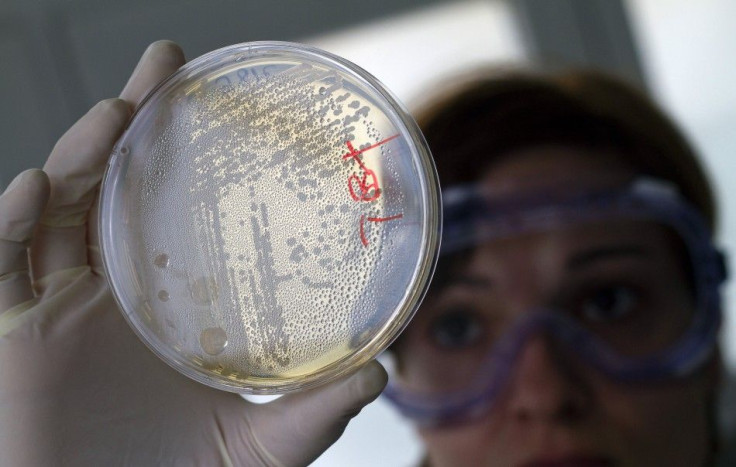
(363,239)
(385,219)
(362,231)
(353,153)
(364,187)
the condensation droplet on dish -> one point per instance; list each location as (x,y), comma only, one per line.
(213,341)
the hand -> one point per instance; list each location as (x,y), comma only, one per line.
(77,387)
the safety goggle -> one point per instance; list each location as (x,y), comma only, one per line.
(456,391)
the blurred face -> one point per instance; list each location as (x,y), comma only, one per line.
(554,410)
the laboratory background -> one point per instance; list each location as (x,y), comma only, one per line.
(57,58)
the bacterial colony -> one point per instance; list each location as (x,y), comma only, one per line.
(269,197)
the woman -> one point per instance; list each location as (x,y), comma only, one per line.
(574,313)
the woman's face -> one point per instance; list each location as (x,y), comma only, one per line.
(554,410)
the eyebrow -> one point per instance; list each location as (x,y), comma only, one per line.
(579,260)
(593,255)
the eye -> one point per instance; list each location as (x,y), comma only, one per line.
(609,303)
(456,330)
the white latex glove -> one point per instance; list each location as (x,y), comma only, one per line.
(77,387)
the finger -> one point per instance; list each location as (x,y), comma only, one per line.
(77,163)
(21,207)
(75,168)
(94,257)
(298,428)
(160,60)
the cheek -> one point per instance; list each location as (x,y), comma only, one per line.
(494,440)
(657,425)
(636,425)
(467,445)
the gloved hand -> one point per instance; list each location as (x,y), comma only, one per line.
(77,387)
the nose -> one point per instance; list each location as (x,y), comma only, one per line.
(545,387)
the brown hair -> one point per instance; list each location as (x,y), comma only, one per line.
(471,127)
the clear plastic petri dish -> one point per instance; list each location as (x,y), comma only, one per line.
(270,218)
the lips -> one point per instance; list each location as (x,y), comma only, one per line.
(576,461)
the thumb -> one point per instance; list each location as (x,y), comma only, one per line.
(298,428)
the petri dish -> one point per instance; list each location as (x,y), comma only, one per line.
(270,218)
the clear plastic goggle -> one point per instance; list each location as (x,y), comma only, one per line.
(624,350)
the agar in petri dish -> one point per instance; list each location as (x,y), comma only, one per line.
(270,218)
